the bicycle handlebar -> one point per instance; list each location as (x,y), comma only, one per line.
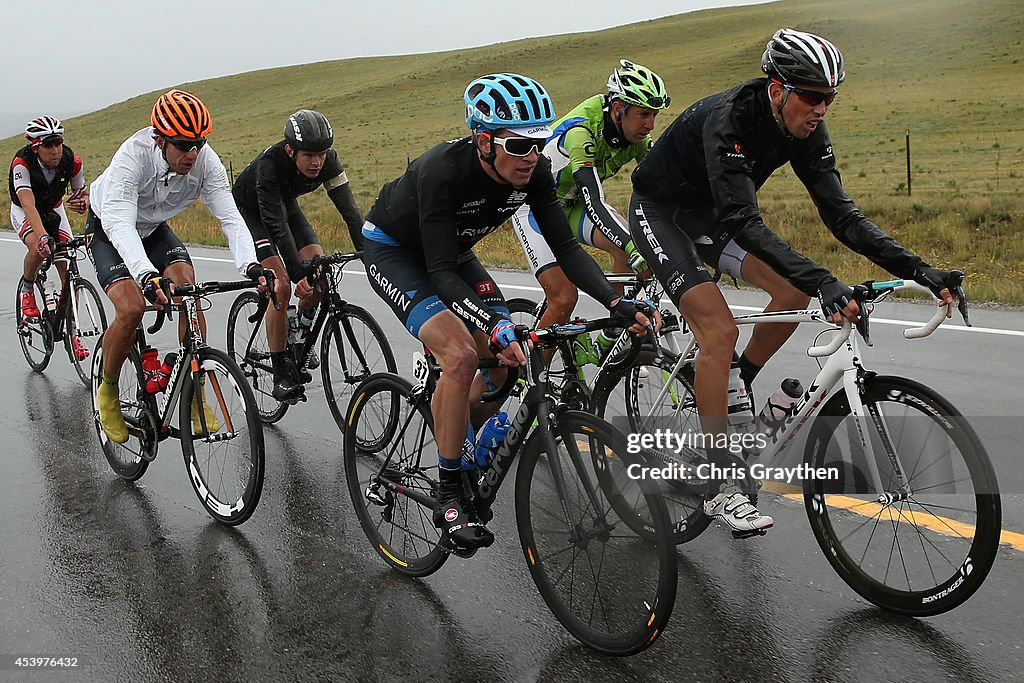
(197,290)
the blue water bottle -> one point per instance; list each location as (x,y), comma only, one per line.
(492,435)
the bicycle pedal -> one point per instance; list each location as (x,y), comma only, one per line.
(740,535)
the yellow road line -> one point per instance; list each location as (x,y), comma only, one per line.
(942,525)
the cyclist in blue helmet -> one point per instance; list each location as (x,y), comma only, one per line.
(418,241)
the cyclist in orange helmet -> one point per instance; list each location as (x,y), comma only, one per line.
(156,174)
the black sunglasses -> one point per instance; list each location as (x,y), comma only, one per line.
(812,98)
(521,147)
(187,145)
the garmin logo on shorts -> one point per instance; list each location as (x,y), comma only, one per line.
(389,290)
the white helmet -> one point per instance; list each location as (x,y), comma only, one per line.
(43,128)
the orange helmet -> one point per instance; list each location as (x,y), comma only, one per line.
(179,114)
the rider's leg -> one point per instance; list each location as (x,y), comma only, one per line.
(129,306)
(769,338)
(286,382)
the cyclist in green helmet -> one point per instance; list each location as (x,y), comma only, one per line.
(588,145)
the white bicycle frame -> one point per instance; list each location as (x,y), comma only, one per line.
(841,368)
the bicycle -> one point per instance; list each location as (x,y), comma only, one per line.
(610,581)
(221,435)
(905,461)
(76,314)
(568,377)
(352,347)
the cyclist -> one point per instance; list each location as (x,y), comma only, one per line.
(589,145)
(265,193)
(695,202)
(155,175)
(418,253)
(40,175)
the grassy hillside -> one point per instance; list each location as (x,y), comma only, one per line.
(947,70)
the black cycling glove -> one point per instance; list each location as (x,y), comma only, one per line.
(937,280)
(834,296)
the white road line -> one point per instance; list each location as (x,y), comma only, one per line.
(752,309)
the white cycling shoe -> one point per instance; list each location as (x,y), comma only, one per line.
(735,509)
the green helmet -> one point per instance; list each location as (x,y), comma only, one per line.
(637,85)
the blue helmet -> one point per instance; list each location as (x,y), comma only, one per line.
(506,100)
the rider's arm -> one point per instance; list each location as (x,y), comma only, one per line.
(28,205)
(340,192)
(216,194)
(580,268)
(579,144)
(79,200)
(735,199)
(842,217)
(273,210)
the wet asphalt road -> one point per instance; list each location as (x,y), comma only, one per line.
(136,581)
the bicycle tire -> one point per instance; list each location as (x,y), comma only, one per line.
(129,460)
(226,460)
(255,362)
(352,347)
(92,323)
(627,396)
(646,584)
(400,529)
(956,472)
(34,334)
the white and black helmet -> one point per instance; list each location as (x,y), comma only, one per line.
(43,128)
(309,131)
(802,58)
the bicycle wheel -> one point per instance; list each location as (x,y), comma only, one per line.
(91,323)
(926,542)
(393,487)
(523,311)
(352,348)
(130,459)
(639,400)
(610,587)
(223,441)
(253,359)
(34,334)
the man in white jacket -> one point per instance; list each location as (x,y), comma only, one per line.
(155,175)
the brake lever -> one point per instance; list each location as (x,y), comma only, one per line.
(961,304)
(860,295)
(165,287)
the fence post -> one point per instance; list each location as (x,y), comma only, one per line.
(908,162)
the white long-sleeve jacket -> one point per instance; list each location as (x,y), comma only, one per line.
(138,191)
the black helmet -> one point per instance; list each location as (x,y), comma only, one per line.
(309,131)
(803,59)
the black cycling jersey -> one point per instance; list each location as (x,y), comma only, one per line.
(47,194)
(269,185)
(445,203)
(718,153)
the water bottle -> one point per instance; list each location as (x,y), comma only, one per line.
(469,449)
(492,435)
(779,406)
(306,322)
(165,370)
(151,369)
(741,415)
(50,295)
(293,325)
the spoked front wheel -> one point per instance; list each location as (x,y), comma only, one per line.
(34,334)
(247,346)
(924,543)
(222,438)
(86,322)
(393,484)
(130,459)
(352,348)
(609,581)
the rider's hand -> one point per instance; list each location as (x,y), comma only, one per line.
(942,283)
(43,246)
(153,285)
(303,289)
(837,302)
(502,342)
(643,312)
(78,201)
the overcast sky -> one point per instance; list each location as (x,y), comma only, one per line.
(67,57)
